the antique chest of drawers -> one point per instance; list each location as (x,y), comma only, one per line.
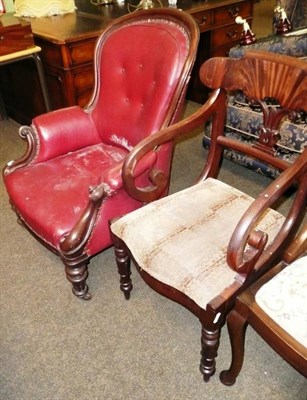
(219,32)
(68,44)
(15,34)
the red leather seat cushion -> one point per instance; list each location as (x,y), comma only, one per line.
(50,196)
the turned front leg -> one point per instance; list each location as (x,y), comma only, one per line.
(123,262)
(77,275)
(210,341)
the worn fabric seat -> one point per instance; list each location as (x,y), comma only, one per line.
(174,230)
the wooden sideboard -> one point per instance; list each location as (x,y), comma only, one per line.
(68,43)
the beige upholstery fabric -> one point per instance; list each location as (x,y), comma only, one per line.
(284,299)
(182,239)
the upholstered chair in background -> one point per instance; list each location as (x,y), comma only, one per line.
(69,183)
(244,121)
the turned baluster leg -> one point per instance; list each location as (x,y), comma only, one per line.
(210,341)
(77,274)
(123,264)
(237,325)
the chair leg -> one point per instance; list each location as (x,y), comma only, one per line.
(123,262)
(210,341)
(77,274)
(237,325)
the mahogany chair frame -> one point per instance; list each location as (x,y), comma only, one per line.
(259,75)
(247,312)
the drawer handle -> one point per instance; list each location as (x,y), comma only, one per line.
(203,21)
(233,11)
(233,34)
(2,37)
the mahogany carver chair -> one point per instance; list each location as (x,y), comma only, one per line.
(69,184)
(275,307)
(205,244)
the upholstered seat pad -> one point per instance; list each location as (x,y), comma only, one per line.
(51,196)
(181,240)
(284,299)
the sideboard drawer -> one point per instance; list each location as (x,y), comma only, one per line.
(82,52)
(84,78)
(204,19)
(228,14)
(226,36)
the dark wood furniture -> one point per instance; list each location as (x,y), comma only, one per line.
(17,44)
(68,43)
(204,245)
(248,312)
(68,185)
(15,34)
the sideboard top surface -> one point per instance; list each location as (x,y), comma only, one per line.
(89,20)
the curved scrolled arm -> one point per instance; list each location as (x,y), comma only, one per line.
(54,134)
(26,133)
(158,179)
(72,243)
(246,250)
(298,247)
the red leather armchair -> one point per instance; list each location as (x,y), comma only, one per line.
(69,183)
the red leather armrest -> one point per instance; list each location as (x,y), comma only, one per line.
(62,131)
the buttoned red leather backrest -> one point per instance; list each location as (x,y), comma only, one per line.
(141,66)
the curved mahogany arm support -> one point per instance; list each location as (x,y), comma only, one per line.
(26,133)
(298,247)
(152,143)
(72,244)
(247,244)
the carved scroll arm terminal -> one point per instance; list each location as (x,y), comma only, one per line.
(26,133)
(246,250)
(152,143)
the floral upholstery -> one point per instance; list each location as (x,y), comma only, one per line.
(292,45)
(284,299)
(243,121)
(296,11)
